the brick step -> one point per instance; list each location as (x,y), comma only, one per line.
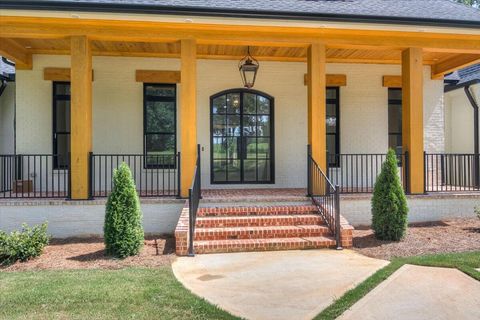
(261,232)
(256,210)
(258,221)
(244,245)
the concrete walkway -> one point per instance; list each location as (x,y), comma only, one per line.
(275,285)
(415,292)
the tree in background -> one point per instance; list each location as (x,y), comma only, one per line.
(473,3)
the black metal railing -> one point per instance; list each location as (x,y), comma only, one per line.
(194,196)
(325,196)
(34,176)
(452,172)
(154,175)
(357,173)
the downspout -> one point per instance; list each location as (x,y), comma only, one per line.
(3,86)
(476,146)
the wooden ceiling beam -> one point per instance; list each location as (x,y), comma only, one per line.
(111,30)
(165,55)
(452,64)
(12,50)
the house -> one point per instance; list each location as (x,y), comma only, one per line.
(225,97)
(462,97)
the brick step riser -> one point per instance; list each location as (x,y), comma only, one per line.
(254,214)
(234,212)
(262,235)
(232,222)
(262,247)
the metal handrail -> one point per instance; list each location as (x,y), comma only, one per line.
(452,172)
(325,196)
(154,175)
(194,196)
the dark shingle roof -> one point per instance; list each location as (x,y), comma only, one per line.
(469,74)
(6,69)
(463,77)
(435,12)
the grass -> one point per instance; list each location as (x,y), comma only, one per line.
(132,293)
(465,262)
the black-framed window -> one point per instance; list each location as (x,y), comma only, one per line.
(160,125)
(333,125)
(395,119)
(61,124)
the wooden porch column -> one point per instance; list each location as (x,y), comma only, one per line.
(412,119)
(316,82)
(188,112)
(80,115)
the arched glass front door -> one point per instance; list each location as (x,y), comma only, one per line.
(242,137)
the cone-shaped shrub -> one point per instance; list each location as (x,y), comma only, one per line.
(389,204)
(123,228)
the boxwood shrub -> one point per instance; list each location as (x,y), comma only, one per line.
(24,244)
(123,229)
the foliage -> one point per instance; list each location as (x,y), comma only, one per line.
(129,293)
(389,204)
(23,245)
(123,228)
(477,211)
(473,3)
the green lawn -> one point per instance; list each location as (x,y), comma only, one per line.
(465,262)
(100,294)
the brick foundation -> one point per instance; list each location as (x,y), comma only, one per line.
(181,232)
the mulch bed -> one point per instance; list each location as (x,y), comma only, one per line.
(89,253)
(457,235)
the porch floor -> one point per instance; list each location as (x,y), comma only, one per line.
(254,195)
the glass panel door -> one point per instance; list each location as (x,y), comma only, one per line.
(241,137)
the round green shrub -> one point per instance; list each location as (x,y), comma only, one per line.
(389,204)
(24,244)
(123,228)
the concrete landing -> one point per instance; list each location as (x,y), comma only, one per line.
(415,292)
(274,285)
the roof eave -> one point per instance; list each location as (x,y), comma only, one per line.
(461,85)
(232,13)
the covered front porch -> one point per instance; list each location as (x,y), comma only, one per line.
(338,91)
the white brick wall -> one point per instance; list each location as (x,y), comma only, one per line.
(7,114)
(459,120)
(118,102)
(69,219)
(357,210)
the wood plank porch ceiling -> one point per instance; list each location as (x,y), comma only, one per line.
(20,37)
(214,51)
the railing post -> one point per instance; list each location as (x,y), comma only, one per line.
(337,218)
(191,229)
(407,173)
(69,191)
(179,176)
(425,172)
(309,171)
(199,172)
(90,175)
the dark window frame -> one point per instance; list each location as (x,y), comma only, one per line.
(149,98)
(241,92)
(397,103)
(333,160)
(55,98)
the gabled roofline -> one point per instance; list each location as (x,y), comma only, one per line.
(231,13)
